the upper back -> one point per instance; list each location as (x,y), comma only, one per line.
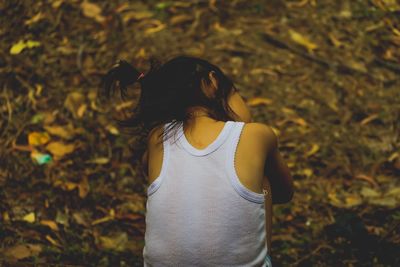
(250,154)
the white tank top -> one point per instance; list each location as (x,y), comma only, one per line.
(198,213)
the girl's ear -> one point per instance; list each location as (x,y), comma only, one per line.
(213,79)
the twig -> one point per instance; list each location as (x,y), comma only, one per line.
(332,65)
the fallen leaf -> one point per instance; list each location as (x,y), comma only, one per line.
(35,19)
(158,27)
(180,19)
(75,103)
(60,149)
(53,241)
(395,191)
(302,40)
(100,161)
(51,224)
(30,217)
(93,11)
(256,101)
(22,251)
(386,202)
(65,132)
(116,242)
(38,138)
(368,192)
(83,187)
(21,45)
(353,200)
(369,118)
(136,15)
(314,149)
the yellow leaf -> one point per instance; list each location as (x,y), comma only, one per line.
(158,27)
(136,15)
(23,251)
(74,103)
(102,220)
(83,187)
(93,11)
(255,101)
(66,132)
(276,131)
(52,241)
(302,40)
(30,217)
(51,224)
(299,121)
(60,149)
(34,19)
(21,45)
(38,138)
(352,201)
(368,192)
(314,148)
(117,242)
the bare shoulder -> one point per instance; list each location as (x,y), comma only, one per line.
(261,132)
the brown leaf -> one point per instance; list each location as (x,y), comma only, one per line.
(51,224)
(38,138)
(93,11)
(75,103)
(23,251)
(65,132)
(60,149)
(83,187)
(302,40)
(256,101)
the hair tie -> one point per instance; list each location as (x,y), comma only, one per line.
(140,76)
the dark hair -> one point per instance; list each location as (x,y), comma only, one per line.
(168,90)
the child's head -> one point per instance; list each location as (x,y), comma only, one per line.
(170,90)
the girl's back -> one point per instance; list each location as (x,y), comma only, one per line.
(205,203)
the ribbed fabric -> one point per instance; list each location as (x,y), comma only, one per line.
(198,211)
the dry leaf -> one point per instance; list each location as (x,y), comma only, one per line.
(51,224)
(158,27)
(38,138)
(21,45)
(35,19)
(60,149)
(255,101)
(116,242)
(136,15)
(83,187)
(368,192)
(75,103)
(22,251)
(65,132)
(353,200)
(93,11)
(52,241)
(30,217)
(179,19)
(302,40)
(314,149)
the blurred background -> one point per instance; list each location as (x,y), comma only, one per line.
(324,74)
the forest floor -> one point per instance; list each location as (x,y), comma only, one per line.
(324,74)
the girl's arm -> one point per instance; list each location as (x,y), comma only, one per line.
(277,171)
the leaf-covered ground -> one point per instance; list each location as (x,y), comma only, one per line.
(324,74)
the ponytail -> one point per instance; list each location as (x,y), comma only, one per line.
(123,73)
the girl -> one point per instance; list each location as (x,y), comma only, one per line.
(207,165)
